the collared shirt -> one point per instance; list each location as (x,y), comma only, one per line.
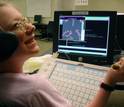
(30,91)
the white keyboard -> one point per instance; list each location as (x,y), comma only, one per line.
(76,81)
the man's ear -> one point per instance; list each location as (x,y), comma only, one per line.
(8,44)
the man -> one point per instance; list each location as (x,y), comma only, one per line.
(35,90)
(15,86)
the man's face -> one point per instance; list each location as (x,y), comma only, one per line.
(12,21)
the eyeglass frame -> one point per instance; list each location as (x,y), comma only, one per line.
(20,25)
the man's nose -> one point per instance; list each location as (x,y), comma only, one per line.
(30,28)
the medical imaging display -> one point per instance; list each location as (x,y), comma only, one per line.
(84,34)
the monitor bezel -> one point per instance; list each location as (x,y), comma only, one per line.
(112,32)
(120,33)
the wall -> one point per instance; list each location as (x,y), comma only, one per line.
(117,5)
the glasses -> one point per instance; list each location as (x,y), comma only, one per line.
(20,25)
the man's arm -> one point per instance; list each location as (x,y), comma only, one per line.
(112,77)
(100,99)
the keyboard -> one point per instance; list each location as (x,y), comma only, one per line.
(78,82)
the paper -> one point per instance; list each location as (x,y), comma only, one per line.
(81,2)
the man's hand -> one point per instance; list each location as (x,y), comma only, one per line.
(115,73)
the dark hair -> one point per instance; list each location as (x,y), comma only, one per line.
(8,44)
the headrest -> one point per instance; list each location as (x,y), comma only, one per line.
(8,44)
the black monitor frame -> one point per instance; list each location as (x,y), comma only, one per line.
(120,30)
(111,14)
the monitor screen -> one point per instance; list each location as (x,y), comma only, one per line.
(120,30)
(85,33)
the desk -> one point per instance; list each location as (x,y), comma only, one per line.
(42,29)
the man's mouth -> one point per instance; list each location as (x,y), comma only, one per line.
(30,40)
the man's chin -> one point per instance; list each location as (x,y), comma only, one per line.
(35,50)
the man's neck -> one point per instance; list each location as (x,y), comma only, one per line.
(11,67)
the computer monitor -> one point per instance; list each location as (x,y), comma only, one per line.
(86,34)
(120,30)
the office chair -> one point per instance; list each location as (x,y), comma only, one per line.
(37,23)
(38,19)
(50,30)
(8,44)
